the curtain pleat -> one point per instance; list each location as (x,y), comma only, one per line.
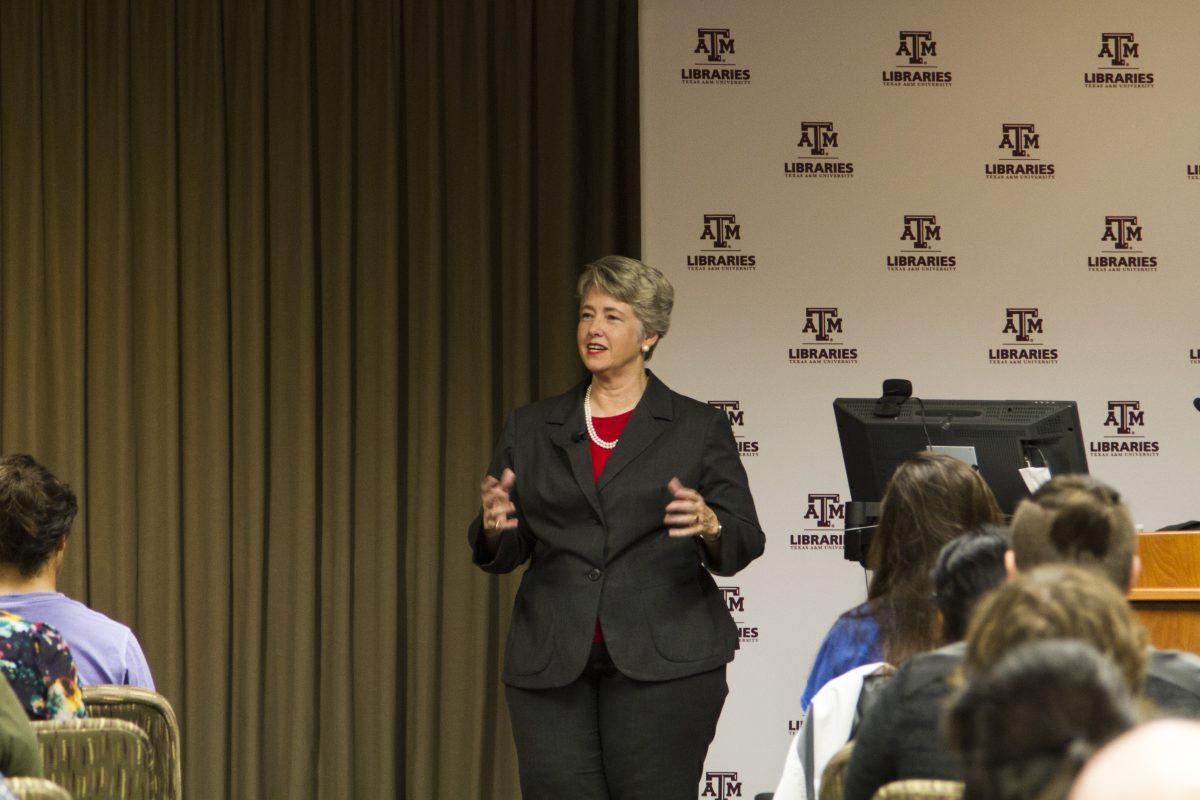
(272,272)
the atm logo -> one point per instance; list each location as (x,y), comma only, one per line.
(824,523)
(822,323)
(823,328)
(1118,48)
(715,45)
(917,46)
(1021,143)
(721,246)
(747,447)
(713,63)
(818,141)
(1125,415)
(1026,326)
(1122,231)
(1020,138)
(735,603)
(917,55)
(922,234)
(732,408)
(721,230)
(1124,424)
(825,510)
(1023,323)
(721,785)
(1122,241)
(1119,55)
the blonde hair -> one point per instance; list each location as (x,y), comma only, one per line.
(643,287)
(1058,602)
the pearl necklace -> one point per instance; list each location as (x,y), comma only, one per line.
(591,429)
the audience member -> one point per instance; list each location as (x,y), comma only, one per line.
(1155,760)
(1079,520)
(902,735)
(930,499)
(36,511)
(1027,724)
(39,668)
(966,568)
(20,756)
(1072,519)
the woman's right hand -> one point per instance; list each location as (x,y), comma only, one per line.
(497,505)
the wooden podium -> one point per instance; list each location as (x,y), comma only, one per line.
(1166,597)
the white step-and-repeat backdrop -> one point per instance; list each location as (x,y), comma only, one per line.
(993,200)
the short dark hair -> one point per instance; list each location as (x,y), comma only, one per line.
(967,568)
(1026,726)
(1076,519)
(36,512)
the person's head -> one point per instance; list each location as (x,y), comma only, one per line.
(624,311)
(1076,519)
(1058,601)
(1155,760)
(930,499)
(36,511)
(1027,724)
(967,568)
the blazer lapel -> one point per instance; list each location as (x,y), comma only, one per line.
(649,420)
(567,420)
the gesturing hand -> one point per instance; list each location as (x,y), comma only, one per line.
(688,514)
(497,506)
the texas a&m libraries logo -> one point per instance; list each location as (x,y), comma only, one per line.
(735,603)
(1122,240)
(818,156)
(1123,432)
(715,61)
(1022,145)
(824,523)
(720,785)
(721,246)
(1119,68)
(823,329)
(1193,172)
(746,446)
(920,240)
(1194,355)
(916,62)
(1025,326)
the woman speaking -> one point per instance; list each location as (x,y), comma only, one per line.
(623,496)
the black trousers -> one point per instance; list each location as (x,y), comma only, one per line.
(609,737)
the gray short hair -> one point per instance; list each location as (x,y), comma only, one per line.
(640,285)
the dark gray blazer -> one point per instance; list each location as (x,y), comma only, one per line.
(603,551)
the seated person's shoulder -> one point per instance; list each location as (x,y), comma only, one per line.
(927,673)
(1172,674)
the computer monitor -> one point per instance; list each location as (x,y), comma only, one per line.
(1002,435)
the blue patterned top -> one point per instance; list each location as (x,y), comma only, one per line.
(851,642)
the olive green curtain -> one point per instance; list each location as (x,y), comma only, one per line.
(271,272)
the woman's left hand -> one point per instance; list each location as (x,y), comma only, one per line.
(688,514)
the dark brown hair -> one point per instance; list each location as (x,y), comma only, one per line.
(36,511)
(1026,725)
(1079,520)
(930,499)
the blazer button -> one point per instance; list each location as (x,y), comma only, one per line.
(594,574)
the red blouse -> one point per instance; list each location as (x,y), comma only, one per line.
(609,429)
